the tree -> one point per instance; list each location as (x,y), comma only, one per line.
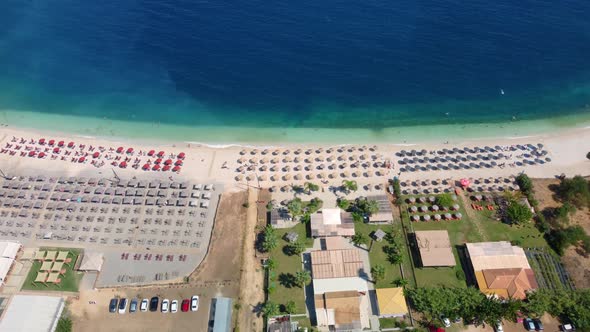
(291,307)
(525,183)
(563,212)
(358,239)
(575,190)
(349,185)
(314,205)
(64,324)
(270,205)
(270,239)
(296,248)
(400,282)
(271,264)
(302,278)
(295,207)
(270,309)
(368,206)
(444,200)
(397,190)
(309,187)
(378,272)
(343,203)
(518,213)
(357,216)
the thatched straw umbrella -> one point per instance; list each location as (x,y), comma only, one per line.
(298,176)
(286,168)
(322,175)
(265,151)
(262,177)
(253,152)
(253,160)
(310,176)
(264,161)
(333,175)
(287,159)
(369,173)
(275,177)
(243,152)
(320,158)
(297,168)
(287,177)
(242,160)
(275,160)
(345,174)
(250,177)
(263,168)
(341,158)
(240,177)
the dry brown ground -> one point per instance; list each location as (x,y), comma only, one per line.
(218,275)
(576,265)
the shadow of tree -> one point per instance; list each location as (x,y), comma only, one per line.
(287,280)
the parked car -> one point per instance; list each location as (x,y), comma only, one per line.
(498,327)
(154,303)
(529,325)
(446,322)
(144,305)
(568,327)
(133,306)
(185,305)
(174,306)
(538,324)
(165,305)
(113,305)
(122,305)
(195,303)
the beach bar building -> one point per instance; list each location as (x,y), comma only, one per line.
(332,222)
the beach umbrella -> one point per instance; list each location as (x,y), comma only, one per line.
(286,168)
(321,166)
(319,158)
(275,177)
(42,141)
(297,168)
(265,151)
(41,154)
(119,149)
(458,215)
(309,176)
(32,153)
(243,152)
(159,160)
(424,208)
(241,160)
(379,173)
(275,160)
(435,208)
(478,197)
(123,164)
(369,173)
(322,175)
(287,177)
(319,150)
(51,142)
(343,165)
(250,177)
(151,153)
(71,144)
(275,168)
(156,168)
(264,160)
(262,177)
(465,183)
(276,152)
(308,151)
(254,151)
(345,174)
(287,159)
(178,163)
(298,176)
(263,168)
(413,208)
(455,207)
(146,167)
(239,177)
(297,159)
(356,174)
(254,160)
(415,218)
(431,199)
(95,155)
(437,217)
(333,175)
(181,155)
(426,217)
(60,143)
(129,150)
(161,154)
(412,200)
(341,158)
(166,168)
(168,162)
(55,150)
(448,216)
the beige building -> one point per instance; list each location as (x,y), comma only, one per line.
(435,248)
(331,222)
(341,263)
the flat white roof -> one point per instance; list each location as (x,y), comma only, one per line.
(9,249)
(32,313)
(5,264)
(331,216)
(321,286)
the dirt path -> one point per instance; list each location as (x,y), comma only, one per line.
(252,279)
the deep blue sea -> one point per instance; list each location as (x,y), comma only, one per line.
(305,63)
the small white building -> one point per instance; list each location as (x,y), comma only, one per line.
(32,313)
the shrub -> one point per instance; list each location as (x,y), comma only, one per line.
(575,191)
(444,200)
(518,213)
(525,183)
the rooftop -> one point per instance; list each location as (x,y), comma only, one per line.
(341,309)
(331,222)
(19,316)
(435,248)
(496,255)
(339,263)
(392,301)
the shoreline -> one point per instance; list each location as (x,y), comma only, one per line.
(247,137)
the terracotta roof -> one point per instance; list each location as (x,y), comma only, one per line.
(336,263)
(511,282)
(435,248)
(332,222)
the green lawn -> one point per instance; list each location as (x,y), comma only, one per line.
(69,281)
(378,256)
(288,265)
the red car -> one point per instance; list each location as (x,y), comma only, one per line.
(185,305)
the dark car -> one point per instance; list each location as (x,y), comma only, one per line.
(538,324)
(133,306)
(529,325)
(122,305)
(154,303)
(113,305)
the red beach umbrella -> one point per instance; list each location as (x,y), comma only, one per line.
(82,159)
(178,163)
(166,168)
(42,141)
(55,150)
(120,149)
(146,167)
(181,155)
(61,143)
(158,161)
(96,155)
(130,150)
(51,142)
(71,144)
(123,164)
(464,183)
(41,154)
(161,154)
(156,168)
(176,169)
(168,162)
(32,153)
(151,153)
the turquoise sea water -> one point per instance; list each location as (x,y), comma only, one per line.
(295,71)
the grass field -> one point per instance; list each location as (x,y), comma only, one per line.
(69,281)
(288,265)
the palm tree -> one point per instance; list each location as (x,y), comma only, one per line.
(378,272)
(401,282)
(349,185)
(302,278)
(271,264)
(270,309)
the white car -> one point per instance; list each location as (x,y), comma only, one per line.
(144,305)
(195,303)
(165,305)
(445,321)
(174,306)
(499,327)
